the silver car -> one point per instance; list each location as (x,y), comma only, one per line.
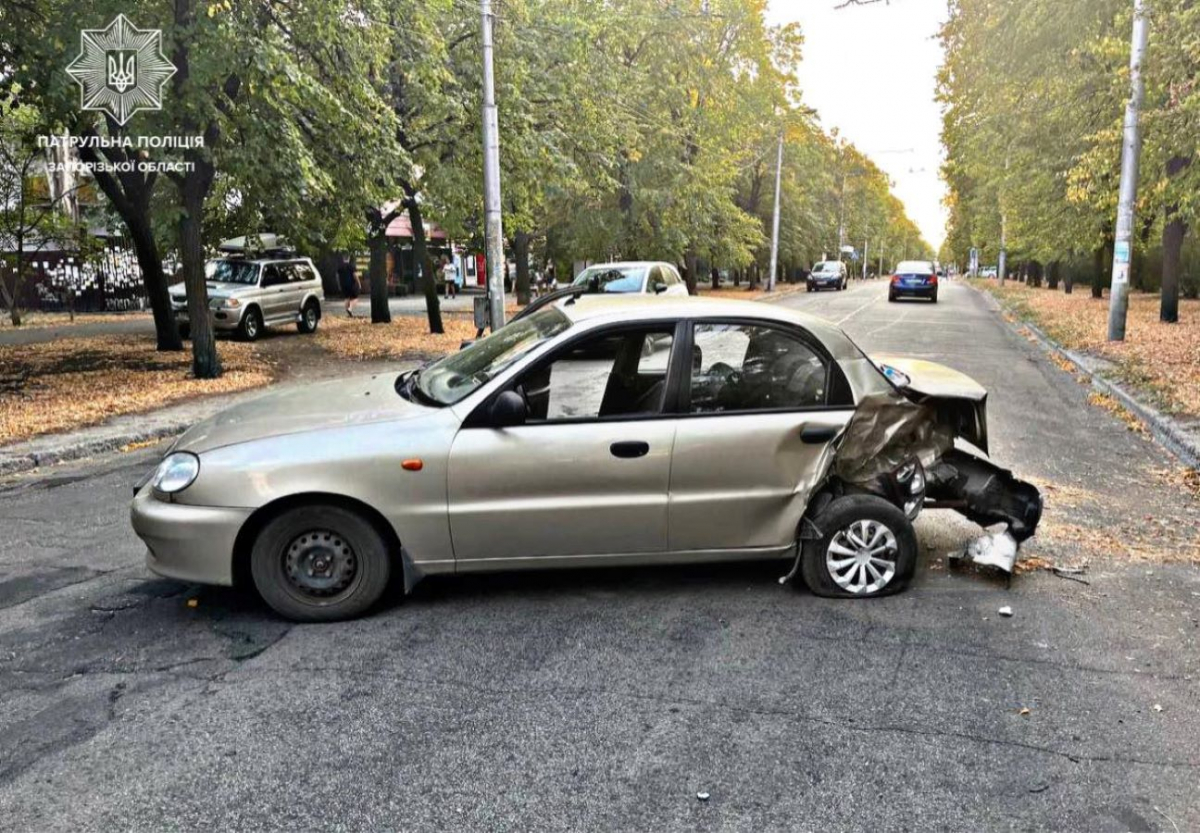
(632,277)
(247,295)
(746,431)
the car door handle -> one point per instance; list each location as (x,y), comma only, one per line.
(817,433)
(629,450)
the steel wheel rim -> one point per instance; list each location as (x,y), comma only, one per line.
(251,325)
(320,566)
(861,557)
(310,317)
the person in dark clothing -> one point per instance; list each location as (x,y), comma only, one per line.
(349,283)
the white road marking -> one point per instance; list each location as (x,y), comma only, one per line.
(843,320)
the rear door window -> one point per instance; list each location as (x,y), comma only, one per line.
(744,367)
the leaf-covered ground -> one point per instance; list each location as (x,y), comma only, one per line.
(1161,360)
(73,382)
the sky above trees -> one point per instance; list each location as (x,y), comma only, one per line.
(871,72)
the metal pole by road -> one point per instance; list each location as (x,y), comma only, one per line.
(882,249)
(866,253)
(493,225)
(1118,301)
(775,218)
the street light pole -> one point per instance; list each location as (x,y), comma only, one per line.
(493,224)
(1118,302)
(775,217)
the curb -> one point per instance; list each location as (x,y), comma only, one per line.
(1166,430)
(16,462)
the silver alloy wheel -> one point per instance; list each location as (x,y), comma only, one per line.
(310,317)
(251,324)
(861,557)
(319,565)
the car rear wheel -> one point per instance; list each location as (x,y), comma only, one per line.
(320,564)
(867,548)
(933,297)
(891,297)
(251,325)
(310,316)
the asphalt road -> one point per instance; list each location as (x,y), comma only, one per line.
(606,700)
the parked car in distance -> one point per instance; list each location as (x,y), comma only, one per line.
(914,279)
(246,295)
(644,277)
(746,432)
(829,274)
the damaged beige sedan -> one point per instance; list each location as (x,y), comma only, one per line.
(591,432)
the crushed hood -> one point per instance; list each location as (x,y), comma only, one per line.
(308,407)
(957,401)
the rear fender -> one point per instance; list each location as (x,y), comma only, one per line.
(983,492)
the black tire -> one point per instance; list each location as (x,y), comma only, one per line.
(251,325)
(808,288)
(310,316)
(933,297)
(301,535)
(837,517)
(891,298)
(185,331)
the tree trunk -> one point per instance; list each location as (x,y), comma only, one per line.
(205,362)
(737,276)
(130,198)
(381,311)
(1098,272)
(1172,243)
(433,309)
(690,267)
(1174,231)
(154,281)
(716,278)
(521,253)
(1052,275)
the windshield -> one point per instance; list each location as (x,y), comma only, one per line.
(457,376)
(613,278)
(831,266)
(231,271)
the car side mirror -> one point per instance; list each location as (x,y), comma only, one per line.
(660,288)
(507,410)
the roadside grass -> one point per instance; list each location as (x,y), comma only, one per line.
(75,382)
(1162,361)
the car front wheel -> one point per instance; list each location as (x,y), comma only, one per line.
(251,325)
(320,564)
(867,548)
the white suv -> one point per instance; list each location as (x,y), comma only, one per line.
(245,295)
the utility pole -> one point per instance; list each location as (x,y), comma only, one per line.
(882,248)
(866,252)
(775,217)
(1131,147)
(493,224)
(1002,264)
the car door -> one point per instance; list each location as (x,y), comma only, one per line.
(675,284)
(586,476)
(275,290)
(762,409)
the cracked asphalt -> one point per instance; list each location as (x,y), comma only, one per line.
(608,699)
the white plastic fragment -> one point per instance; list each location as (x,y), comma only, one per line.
(703,796)
(996,549)
(1005,611)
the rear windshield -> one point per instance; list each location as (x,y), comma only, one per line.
(914,267)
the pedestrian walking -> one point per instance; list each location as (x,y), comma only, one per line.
(349,283)
(450,276)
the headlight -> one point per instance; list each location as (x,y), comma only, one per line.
(231,303)
(176,472)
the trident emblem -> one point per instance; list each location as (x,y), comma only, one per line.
(122,70)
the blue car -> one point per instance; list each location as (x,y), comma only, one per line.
(914,279)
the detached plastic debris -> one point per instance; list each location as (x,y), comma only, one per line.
(703,796)
(996,549)
(1005,611)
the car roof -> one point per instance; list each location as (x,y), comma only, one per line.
(608,308)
